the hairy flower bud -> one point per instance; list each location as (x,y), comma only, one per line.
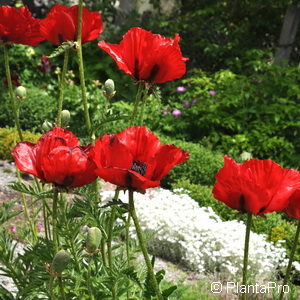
(93,239)
(60,262)
(109,88)
(246,156)
(47,126)
(65,118)
(21,92)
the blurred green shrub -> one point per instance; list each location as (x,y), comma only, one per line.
(9,138)
(38,106)
(217,34)
(201,166)
(232,113)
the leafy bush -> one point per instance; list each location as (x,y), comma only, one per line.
(218,34)
(200,168)
(233,113)
(9,138)
(38,106)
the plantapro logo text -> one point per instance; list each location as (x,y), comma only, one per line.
(269,287)
(231,287)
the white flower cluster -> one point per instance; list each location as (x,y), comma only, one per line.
(186,233)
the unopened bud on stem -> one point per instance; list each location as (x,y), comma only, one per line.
(65,118)
(21,92)
(109,88)
(60,262)
(47,126)
(93,240)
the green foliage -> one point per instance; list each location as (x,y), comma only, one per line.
(193,291)
(7,212)
(201,166)
(9,138)
(38,106)
(257,113)
(217,34)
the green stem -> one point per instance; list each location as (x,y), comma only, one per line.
(15,110)
(54,221)
(134,115)
(289,267)
(52,297)
(246,252)
(110,229)
(143,247)
(109,234)
(144,98)
(47,223)
(30,222)
(62,87)
(109,240)
(74,254)
(81,72)
(45,220)
(89,276)
(127,226)
(61,287)
(103,252)
(13,101)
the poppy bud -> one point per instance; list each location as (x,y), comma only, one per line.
(246,156)
(47,126)
(21,92)
(60,262)
(109,88)
(93,239)
(65,118)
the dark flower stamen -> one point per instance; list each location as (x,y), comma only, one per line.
(139,167)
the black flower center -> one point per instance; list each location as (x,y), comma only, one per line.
(139,167)
(242,203)
(153,73)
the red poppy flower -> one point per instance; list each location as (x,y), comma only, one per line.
(255,186)
(56,158)
(18,26)
(147,56)
(293,207)
(60,24)
(134,158)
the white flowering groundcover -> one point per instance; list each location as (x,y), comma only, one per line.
(197,238)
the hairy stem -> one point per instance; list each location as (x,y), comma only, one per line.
(81,72)
(138,99)
(13,101)
(110,229)
(289,267)
(54,221)
(143,247)
(89,277)
(62,86)
(109,239)
(246,252)
(61,288)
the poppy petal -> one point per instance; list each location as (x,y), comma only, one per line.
(166,158)
(147,56)
(24,155)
